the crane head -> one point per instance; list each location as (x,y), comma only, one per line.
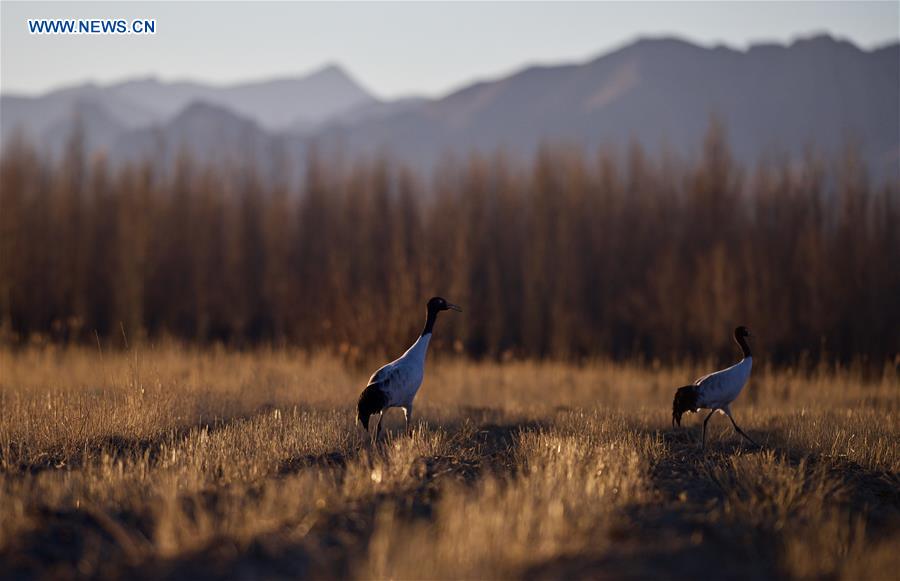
(436,304)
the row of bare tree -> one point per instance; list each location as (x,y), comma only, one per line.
(570,255)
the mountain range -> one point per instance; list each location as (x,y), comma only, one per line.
(659,92)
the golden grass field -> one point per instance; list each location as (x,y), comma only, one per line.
(181,463)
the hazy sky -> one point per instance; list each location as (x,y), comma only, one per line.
(393,49)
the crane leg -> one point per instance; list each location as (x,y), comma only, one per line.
(378,430)
(703,440)
(739,430)
(407,414)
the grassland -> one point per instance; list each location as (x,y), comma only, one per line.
(165,462)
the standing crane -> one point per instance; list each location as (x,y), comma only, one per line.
(717,390)
(396,384)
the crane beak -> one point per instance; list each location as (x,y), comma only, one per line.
(453,307)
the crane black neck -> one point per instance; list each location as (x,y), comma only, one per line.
(429,322)
(742,342)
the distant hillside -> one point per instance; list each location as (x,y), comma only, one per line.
(41,118)
(772,99)
(275,105)
(209,133)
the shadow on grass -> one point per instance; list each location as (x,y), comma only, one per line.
(672,537)
(330,544)
(676,537)
(333,544)
(78,542)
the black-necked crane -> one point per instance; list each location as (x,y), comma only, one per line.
(717,390)
(396,384)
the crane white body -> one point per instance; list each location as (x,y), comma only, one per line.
(718,389)
(401,379)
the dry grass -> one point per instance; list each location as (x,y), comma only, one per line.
(180,463)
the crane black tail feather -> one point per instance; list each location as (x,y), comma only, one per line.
(372,400)
(685,401)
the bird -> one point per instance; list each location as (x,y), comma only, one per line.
(396,384)
(717,390)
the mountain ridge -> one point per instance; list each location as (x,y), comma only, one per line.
(274,103)
(816,90)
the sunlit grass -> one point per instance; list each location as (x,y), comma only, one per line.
(158,456)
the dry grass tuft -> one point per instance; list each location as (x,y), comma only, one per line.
(164,462)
